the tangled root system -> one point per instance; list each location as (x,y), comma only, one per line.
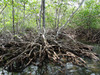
(16,56)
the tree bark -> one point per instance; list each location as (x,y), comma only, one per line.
(13,17)
(23,17)
(17,24)
(40,17)
(43,18)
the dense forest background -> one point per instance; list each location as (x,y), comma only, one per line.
(19,15)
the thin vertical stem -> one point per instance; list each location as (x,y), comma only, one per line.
(17,24)
(13,17)
(23,17)
(43,1)
(40,17)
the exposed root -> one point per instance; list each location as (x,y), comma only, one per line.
(15,56)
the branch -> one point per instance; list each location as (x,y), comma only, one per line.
(3,8)
(69,18)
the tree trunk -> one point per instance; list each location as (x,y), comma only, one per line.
(23,17)
(43,18)
(17,24)
(69,18)
(13,17)
(40,18)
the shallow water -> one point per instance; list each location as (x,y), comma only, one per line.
(93,68)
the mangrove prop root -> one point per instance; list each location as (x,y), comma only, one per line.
(16,56)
